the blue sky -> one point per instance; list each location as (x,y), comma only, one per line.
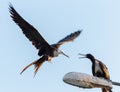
(99,19)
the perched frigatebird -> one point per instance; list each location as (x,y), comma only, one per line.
(99,69)
(46,51)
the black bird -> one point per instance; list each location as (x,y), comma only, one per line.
(99,69)
(46,51)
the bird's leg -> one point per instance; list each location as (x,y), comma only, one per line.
(49,59)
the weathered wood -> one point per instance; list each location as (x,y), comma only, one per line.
(86,81)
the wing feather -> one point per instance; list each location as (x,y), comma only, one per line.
(68,38)
(30,32)
(104,69)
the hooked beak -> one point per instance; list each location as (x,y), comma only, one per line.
(65,55)
(84,56)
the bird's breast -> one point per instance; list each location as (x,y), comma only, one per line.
(97,67)
(55,53)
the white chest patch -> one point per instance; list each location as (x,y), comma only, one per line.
(97,67)
(55,53)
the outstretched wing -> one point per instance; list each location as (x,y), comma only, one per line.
(68,38)
(30,32)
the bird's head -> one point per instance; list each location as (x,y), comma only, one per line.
(61,52)
(89,56)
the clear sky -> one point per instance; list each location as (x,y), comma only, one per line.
(100,21)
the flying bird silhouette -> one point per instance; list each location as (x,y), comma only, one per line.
(99,69)
(46,51)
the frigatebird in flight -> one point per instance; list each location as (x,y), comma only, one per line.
(99,69)
(46,51)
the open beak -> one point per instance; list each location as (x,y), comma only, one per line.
(84,56)
(65,55)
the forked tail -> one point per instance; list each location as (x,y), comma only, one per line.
(37,65)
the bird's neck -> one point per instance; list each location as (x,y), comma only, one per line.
(92,60)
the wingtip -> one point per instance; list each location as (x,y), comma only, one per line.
(80,30)
(11,8)
(10,5)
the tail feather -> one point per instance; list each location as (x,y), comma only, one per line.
(27,67)
(37,65)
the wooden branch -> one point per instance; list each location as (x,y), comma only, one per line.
(87,81)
